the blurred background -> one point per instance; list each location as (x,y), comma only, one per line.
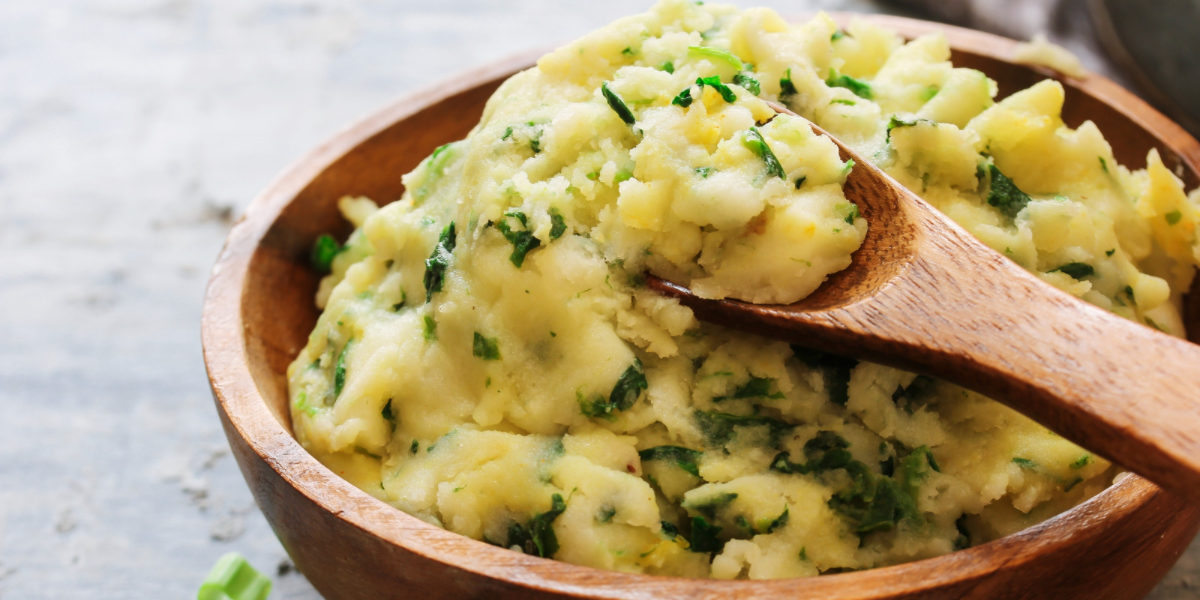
(134,132)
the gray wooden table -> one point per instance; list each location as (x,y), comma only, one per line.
(132,132)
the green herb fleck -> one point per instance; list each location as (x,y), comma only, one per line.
(704,172)
(522,239)
(388,415)
(669,530)
(709,505)
(1129,292)
(557,225)
(851,213)
(1082,461)
(1071,485)
(605,514)
(1103,164)
(622,175)
(836,370)
(859,88)
(323,252)
(339,370)
(1173,217)
(618,105)
(753,140)
(843,101)
(756,387)
(898,121)
(800,181)
(628,51)
(1110,252)
(1024,463)
(787,89)
(928,93)
(415,447)
(439,261)
(668,66)
(430,329)
(837,35)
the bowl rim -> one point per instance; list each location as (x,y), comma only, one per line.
(243,409)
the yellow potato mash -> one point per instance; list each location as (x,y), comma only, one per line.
(489,360)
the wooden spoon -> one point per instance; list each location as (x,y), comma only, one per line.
(923,295)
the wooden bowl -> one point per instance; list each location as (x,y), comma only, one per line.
(259,310)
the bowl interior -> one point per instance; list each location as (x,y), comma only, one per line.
(277,307)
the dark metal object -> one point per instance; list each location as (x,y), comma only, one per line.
(1158,45)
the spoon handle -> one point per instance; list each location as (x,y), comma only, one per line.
(964,313)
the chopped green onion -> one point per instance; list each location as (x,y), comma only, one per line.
(232,578)
(430,329)
(859,88)
(748,82)
(668,66)
(753,140)
(716,54)
(618,105)
(787,89)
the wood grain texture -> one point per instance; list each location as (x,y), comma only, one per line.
(258,312)
(922,294)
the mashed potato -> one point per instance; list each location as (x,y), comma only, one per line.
(489,361)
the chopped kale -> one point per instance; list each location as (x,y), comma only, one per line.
(486,348)
(753,140)
(916,395)
(537,536)
(624,393)
(787,89)
(629,386)
(717,54)
(430,329)
(684,458)
(522,239)
(777,522)
(719,428)
(606,514)
(1077,270)
(1005,195)
(710,505)
(756,387)
(669,530)
(836,370)
(388,415)
(617,104)
(439,261)
(323,252)
(748,82)
(886,507)
(557,225)
(704,536)
(859,88)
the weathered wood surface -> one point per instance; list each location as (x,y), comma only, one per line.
(131,132)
